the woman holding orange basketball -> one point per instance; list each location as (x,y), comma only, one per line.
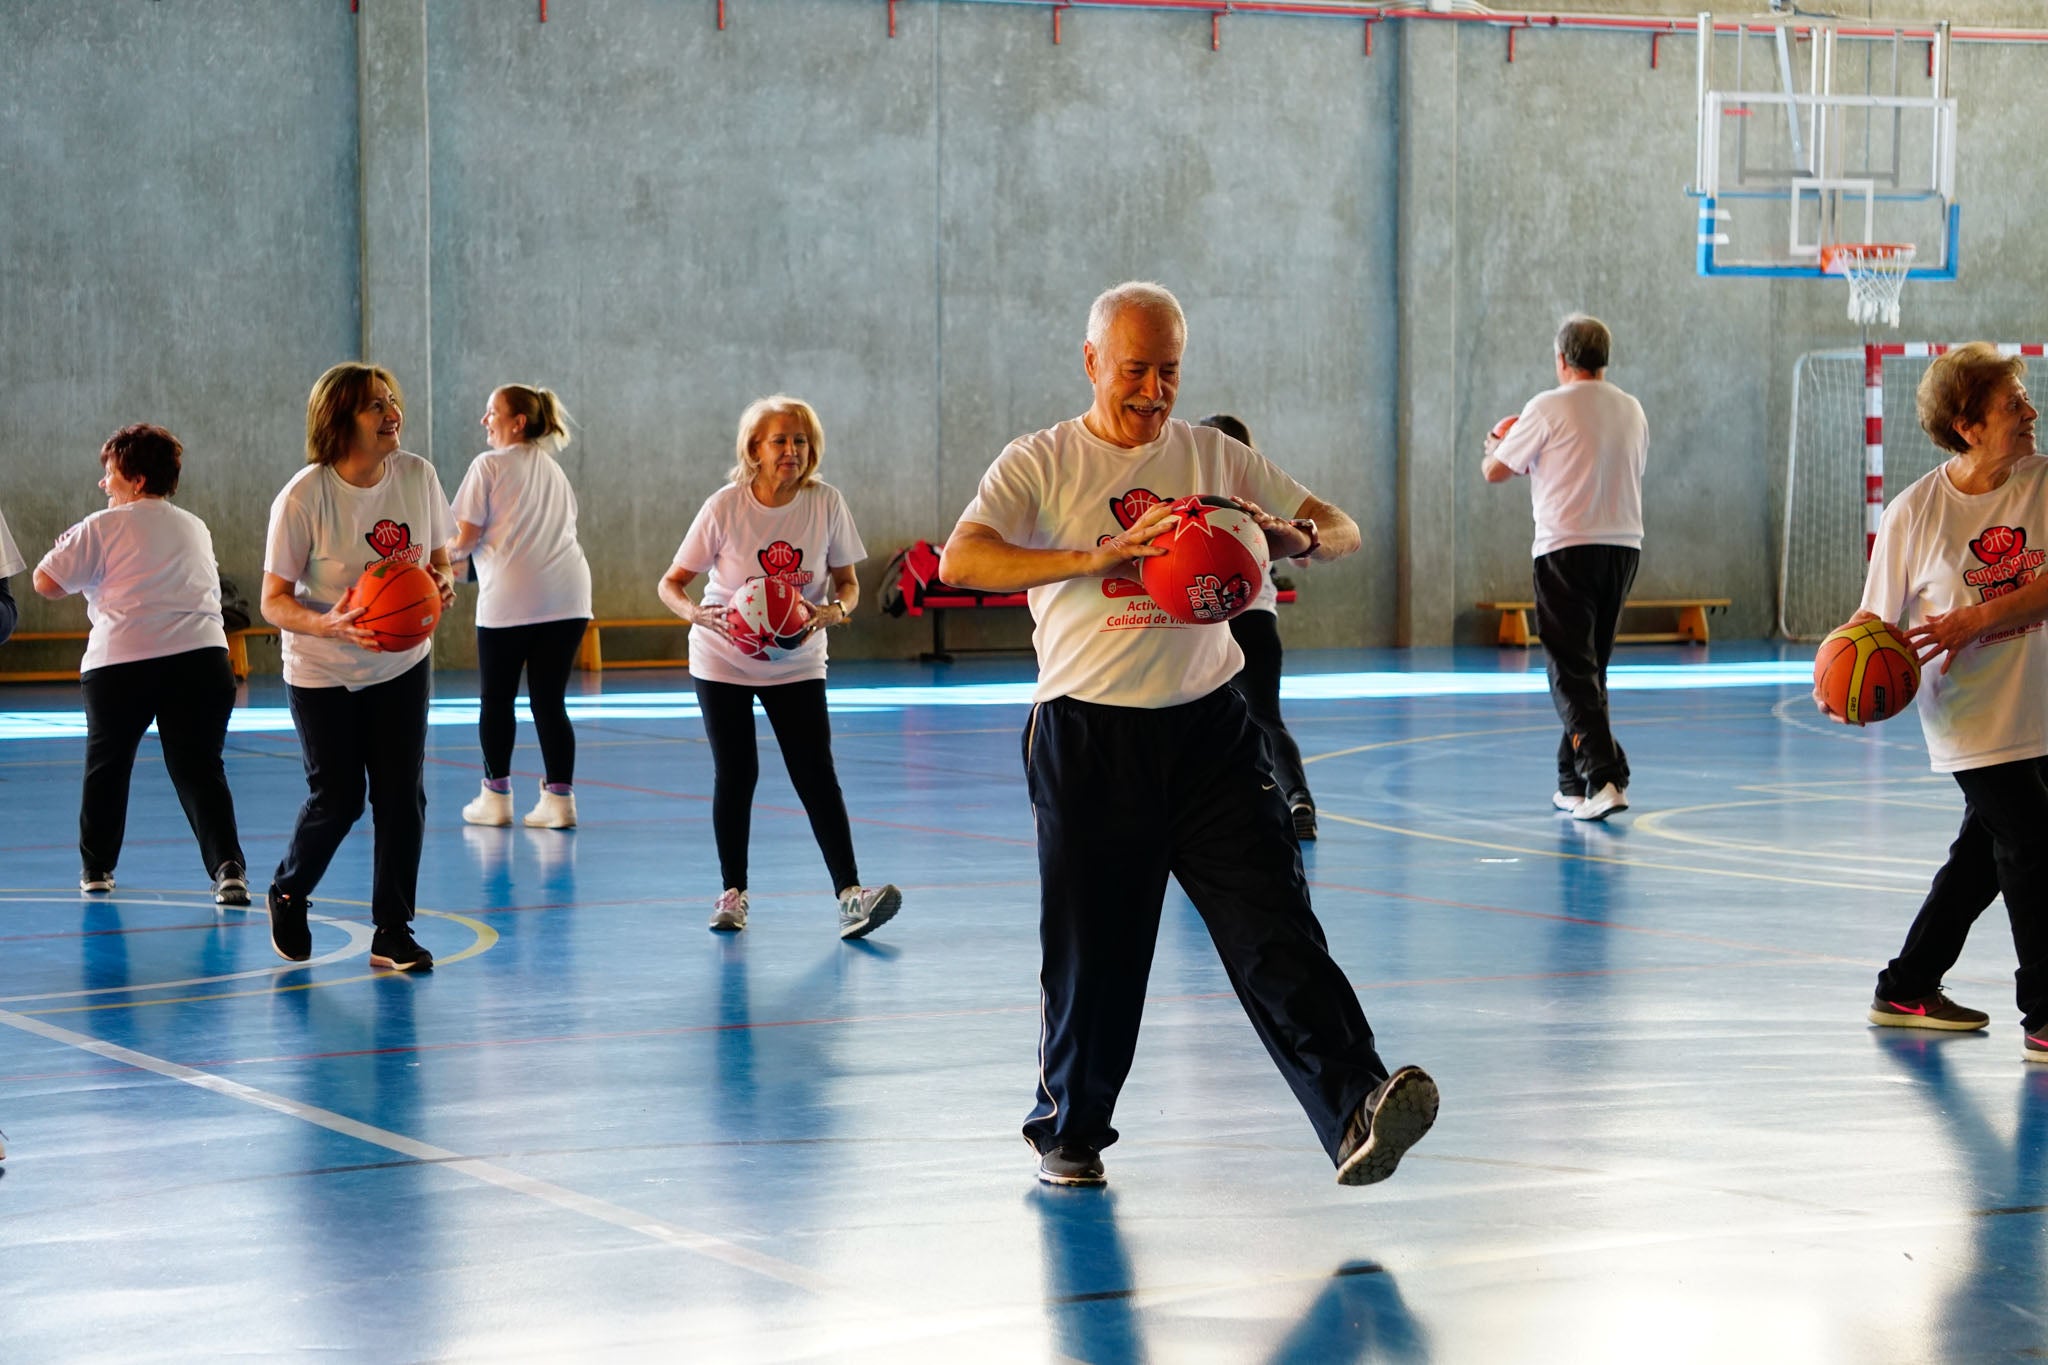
(516,512)
(775,519)
(1952,565)
(360,708)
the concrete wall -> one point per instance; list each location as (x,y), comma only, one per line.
(178,244)
(660,220)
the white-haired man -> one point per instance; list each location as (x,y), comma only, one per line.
(1143,762)
(1583,445)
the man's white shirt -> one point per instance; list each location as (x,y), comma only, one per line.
(1104,640)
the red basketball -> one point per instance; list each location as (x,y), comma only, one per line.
(1504,426)
(401,603)
(1865,673)
(1214,565)
(766,618)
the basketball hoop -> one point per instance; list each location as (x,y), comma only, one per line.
(1876,271)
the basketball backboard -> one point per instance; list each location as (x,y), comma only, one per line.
(1815,132)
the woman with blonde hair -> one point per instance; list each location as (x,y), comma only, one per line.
(360,710)
(775,518)
(515,514)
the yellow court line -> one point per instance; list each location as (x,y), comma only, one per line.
(1653,824)
(486,938)
(1615,862)
(1431,739)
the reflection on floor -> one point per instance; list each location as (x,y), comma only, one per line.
(600,1132)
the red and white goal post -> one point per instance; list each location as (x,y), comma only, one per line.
(1855,442)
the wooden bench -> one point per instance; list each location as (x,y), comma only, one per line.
(1692,620)
(941,601)
(912,587)
(590,654)
(238,654)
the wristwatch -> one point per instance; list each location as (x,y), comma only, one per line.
(1314,533)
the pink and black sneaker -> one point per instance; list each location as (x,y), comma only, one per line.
(1934,1011)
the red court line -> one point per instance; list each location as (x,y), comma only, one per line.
(242,921)
(684,1030)
(1555,918)
(762,806)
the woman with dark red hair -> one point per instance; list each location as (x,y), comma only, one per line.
(157,654)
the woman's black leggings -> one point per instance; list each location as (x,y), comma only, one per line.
(547,651)
(190,697)
(372,743)
(796,711)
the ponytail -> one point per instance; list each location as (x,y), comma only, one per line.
(545,417)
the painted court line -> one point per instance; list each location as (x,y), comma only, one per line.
(485,1172)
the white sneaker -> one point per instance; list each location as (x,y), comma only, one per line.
(864,909)
(3,1146)
(552,811)
(489,808)
(1602,803)
(1565,801)
(729,916)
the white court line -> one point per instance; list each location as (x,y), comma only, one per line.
(358,943)
(489,1173)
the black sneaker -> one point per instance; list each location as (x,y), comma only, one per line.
(1934,1011)
(2034,1049)
(96,883)
(1387,1123)
(1080,1166)
(289,933)
(400,951)
(230,885)
(1304,812)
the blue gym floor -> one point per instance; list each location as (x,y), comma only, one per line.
(599,1132)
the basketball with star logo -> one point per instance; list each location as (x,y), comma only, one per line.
(766,618)
(1214,565)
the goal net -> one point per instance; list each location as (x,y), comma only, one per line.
(1841,467)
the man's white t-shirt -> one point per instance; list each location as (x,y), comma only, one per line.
(737,537)
(151,586)
(1938,549)
(1583,447)
(528,561)
(324,531)
(11,562)
(1103,639)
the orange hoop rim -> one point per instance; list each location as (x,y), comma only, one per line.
(1839,258)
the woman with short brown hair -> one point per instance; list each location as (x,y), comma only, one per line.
(360,710)
(1953,568)
(157,654)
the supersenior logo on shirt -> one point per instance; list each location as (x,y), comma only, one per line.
(780,560)
(2004,564)
(392,540)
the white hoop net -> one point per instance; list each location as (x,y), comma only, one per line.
(1876,271)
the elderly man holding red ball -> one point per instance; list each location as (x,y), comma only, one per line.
(1130,699)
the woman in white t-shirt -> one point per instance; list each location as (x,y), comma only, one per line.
(1953,566)
(361,711)
(516,515)
(156,654)
(11,563)
(775,519)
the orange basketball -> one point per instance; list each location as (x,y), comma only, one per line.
(1865,673)
(401,603)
